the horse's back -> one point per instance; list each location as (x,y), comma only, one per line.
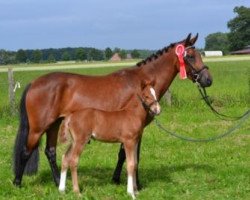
(58,94)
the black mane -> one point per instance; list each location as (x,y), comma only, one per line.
(154,56)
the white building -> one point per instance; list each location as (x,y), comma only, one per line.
(212,53)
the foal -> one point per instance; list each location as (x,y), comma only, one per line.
(124,126)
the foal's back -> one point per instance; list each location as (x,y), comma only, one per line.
(102,125)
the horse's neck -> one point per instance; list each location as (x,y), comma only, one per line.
(163,71)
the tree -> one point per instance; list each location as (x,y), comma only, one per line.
(80,54)
(7,57)
(135,54)
(123,54)
(36,56)
(108,53)
(239,35)
(95,54)
(21,56)
(217,41)
(51,58)
(116,50)
(65,56)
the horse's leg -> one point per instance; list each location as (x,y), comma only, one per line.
(130,149)
(26,152)
(50,150)
(118,169)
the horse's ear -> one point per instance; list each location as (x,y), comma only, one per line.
(187,40)
(193,40)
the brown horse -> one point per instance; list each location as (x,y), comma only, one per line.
(124,126)
(50,98)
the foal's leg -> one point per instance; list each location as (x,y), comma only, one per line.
(130,149)
(50,150)
(64,168)
(76,152)
(70,159)
(137,168)
(121,160)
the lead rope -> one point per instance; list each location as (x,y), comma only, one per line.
(204,95)
(190,139)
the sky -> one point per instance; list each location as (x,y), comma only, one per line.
(127,24)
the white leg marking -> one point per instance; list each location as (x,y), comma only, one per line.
(136,164)
(130,187)
(63,181)
(94,135)
(153,93)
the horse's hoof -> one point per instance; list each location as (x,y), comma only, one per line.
(139,187)
(57,181)
(17,182)
(116,181)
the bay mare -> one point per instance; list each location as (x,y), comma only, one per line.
(124,126)
(50,98)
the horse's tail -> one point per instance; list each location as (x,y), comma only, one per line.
(21,141)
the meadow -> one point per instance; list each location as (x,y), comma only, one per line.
(170,168)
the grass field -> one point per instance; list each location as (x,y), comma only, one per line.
(169,168)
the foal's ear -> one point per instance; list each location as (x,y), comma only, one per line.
(146,83)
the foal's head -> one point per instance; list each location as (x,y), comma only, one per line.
(149,100)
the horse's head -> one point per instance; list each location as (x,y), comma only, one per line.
(149,100)
(195,68)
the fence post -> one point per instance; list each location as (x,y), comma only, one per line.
(11,90)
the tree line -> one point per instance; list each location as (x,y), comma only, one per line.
(238,36)
(65,54)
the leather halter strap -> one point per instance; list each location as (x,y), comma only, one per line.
(146,106)
(194,73)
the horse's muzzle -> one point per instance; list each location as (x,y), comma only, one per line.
(205,79)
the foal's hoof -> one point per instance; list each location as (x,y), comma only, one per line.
(132,195)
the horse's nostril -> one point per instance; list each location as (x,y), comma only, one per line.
(209,82)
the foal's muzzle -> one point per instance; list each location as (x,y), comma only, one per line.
(155,109)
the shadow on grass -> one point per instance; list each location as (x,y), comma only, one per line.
(163,173)
(99,176)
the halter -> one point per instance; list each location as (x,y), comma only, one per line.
(147,106)
(194,73)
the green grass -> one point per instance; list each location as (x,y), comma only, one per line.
(169,168)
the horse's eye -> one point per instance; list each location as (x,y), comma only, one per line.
(190,57)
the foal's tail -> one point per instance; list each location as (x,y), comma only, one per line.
(63,131)
(21,141)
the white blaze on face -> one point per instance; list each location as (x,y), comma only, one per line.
(153,93)
(158,108)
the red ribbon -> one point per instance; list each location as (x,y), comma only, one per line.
(179,51)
